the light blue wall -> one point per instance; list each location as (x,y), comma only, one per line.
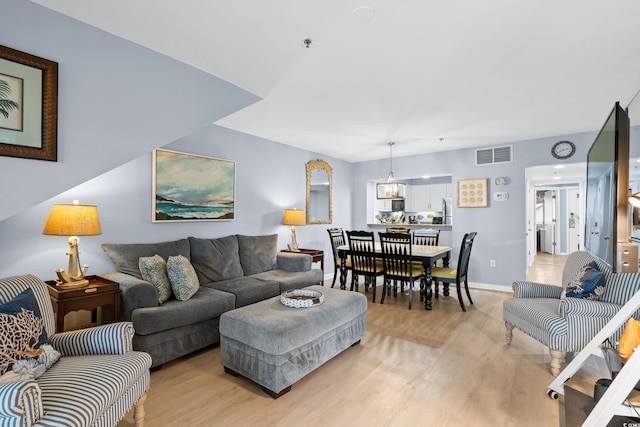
(116,101)
(270,177)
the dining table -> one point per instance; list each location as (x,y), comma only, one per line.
(428,255)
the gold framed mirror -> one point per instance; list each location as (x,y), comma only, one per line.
(319,193)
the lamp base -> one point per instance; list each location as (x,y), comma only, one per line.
(293,248)
(71,285)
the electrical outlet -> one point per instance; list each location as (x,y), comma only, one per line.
(492,263)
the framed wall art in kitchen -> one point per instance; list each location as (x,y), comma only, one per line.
(28,106)
(188,187)
(472,193)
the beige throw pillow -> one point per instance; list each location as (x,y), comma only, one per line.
(183,277)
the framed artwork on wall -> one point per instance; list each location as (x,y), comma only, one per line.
(189,187)
(472,193)
(28,106)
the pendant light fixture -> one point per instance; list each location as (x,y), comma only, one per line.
(391,178)
(391,189)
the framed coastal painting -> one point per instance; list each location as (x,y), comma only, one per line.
(472,193)
(28,106)
(189,187)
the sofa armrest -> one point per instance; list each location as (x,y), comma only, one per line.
(21,403)
(523,289)
(113,338)
(134,293)
(291,261)
(582,308)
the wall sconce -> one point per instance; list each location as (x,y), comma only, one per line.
(293,217)
(72,220)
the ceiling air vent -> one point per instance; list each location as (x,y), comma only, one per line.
(488,156)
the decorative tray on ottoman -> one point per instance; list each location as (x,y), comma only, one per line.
(302,298)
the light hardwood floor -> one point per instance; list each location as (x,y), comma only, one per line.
(413,367)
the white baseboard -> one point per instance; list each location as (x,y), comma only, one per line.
(491,287)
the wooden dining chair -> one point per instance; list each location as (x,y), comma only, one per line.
(397,230)
(456,275)
(363,260)
(426,238)
(336,235)
(429,238)
(398,264)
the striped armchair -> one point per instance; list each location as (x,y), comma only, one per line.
(566,324)
(95,382)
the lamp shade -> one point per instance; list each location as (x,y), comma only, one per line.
(294,217)
(73,220)
(634,200)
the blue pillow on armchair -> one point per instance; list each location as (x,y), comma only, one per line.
(22,329)
(588,283)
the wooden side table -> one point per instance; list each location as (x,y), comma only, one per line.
(316,254)
(98,293)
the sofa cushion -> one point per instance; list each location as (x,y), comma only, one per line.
(258,253)
(205,304)
(154,271)
(289,280)
(125,256)
(247,289)
(183,278)
(215,259)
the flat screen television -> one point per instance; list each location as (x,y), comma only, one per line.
(606,224)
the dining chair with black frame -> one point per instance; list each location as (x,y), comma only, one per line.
(456,275)
(336,235)
(364,262)
(398,263)
(426,238)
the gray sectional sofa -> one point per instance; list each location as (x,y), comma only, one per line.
(233,271)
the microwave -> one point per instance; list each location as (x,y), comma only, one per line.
(397,205)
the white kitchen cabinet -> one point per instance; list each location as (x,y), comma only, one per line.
(437,192)
(426,197)
(382,204)
(408,199)
(421,198)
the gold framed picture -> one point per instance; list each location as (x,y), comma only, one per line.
(472,193)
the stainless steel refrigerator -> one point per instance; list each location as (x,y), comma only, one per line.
(447,210)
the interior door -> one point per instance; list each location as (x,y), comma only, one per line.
(549,228)
(574,223)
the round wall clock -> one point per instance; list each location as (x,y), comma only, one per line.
(563,150)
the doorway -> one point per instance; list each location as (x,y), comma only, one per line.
(558,219)
(554,210)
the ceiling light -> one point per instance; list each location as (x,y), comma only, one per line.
(558,167)
(392,189)
(557,177)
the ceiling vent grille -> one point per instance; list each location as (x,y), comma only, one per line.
(488,156)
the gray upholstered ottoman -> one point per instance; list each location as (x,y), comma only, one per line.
(275,345)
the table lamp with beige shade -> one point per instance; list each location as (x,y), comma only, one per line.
(72,220)
(294,217)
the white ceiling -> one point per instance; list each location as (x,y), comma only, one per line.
(429,75)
